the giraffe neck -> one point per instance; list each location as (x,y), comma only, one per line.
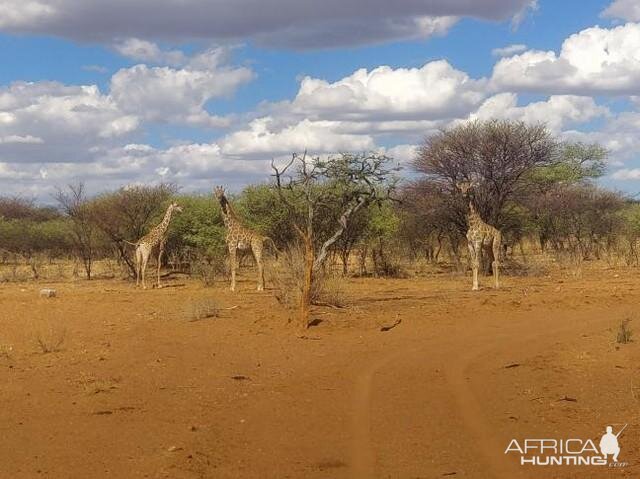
(473,217)
(228,215)
(472,209)
(162,227)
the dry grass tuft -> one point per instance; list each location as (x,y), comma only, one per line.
(6,352)
(329,290)
(51,339)
(623,336)
(286,276)
(209,268)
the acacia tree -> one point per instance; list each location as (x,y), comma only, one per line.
(126,214)
(355,231)
(311,187)
(497,155)
(573,163)
(576,165)
(74,204)
(21,208)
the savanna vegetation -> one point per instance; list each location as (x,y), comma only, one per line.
(349,214)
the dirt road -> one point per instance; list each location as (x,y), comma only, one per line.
(138,390)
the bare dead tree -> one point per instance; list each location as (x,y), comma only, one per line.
(25,208)
(311,187)
(74,204)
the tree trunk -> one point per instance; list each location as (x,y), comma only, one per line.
(362,256)
(305,298)
(345,262)
(87,268)
(121,248)
(438,249)
(543,242)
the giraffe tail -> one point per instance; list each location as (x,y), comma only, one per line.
(273,245)
(129,242)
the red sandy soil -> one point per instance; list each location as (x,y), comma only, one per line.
(139,390)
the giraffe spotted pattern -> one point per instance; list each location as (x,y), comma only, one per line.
(480,235)
(156,237)
(239,237)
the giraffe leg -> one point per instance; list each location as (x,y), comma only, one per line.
(474,253)
(138,264)
(233,265)
(145,259)
(256,248)
(496,260)
(160,251)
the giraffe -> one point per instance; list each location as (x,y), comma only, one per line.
(239,237)
(480,234)
(156,237)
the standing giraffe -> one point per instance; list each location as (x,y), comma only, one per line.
(239,237)
(156,237)
(479,235)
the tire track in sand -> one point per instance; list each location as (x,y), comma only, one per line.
(362,454)
(499,348)
(478,344)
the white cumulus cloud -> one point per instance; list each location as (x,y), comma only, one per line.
(625,9)
(620,135)
(146,51)
(594,60)
(63,121)
(264,137)
(51,133)
(403,154)
(509,50)
(436,90)
(558,112)
(165,94)
(626,174)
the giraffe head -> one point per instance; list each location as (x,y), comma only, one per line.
(176,207)
(465,186)
(218,191)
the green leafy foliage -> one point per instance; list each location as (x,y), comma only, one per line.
(384,221)
(261,209)
(576,162)
(198,228)
(27,236)
(528,184)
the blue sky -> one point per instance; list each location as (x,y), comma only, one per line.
(141,92)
